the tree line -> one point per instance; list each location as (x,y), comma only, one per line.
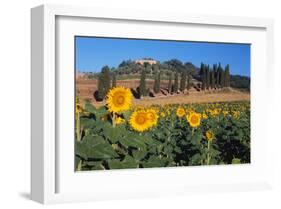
(178,80)
(215,77)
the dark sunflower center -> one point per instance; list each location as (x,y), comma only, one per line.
(194,119)
(120,99)
(140,119)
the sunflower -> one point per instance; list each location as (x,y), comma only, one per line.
(162,114)
(119,120)
(194,119)
(140,121)
(78,108)
(180,112)
(214,112)
(77,100)
(119,99)
(204,115)
(152,115)
(210,135)
(225,112)
(236,114)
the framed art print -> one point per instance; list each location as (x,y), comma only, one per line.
(131,104)
(145,113)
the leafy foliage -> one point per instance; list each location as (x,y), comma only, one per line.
(172,142)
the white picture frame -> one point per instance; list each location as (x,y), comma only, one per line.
(52,179)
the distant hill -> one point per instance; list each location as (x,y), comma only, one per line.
(166,68)
(240,82)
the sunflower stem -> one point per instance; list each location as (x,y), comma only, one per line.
(208,155)
(202,159)
(79,166)
(78,134)
(113,120)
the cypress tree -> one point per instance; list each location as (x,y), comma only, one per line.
(201,69)
(225,79)
(113,80)
(213,79)
(106,78)
(222,78)
(183,81)
(215,69)
(142,87)
(227,76)
(159,81)
(101,92)
(219,76)
(156,86)
(188,82)
(204,76)
(208,77)
(103,82)
(201,73)
(155,82)
(170,83)
(176,83)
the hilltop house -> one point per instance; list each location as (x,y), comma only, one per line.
(142,61)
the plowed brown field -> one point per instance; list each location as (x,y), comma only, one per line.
(86,88)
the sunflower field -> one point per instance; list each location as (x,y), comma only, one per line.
(122,135)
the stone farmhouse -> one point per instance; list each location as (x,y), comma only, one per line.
(142,61)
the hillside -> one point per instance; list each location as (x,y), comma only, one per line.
(130,69)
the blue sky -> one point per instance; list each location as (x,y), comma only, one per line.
(93,53)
